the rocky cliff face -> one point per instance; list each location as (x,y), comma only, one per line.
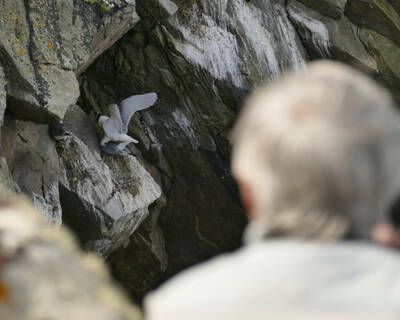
(45,276)
(363,33)
(202,61)
(172,202)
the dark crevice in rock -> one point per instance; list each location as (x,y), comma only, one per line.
(42,93)
(140,265)
(23,111)
(22,138)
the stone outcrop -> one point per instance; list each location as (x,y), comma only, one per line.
(104,198)
(141,265)
(330,8)
(201,61)
(3,98)
(45,276)
(44,44)
(32,159)
(6,179)
(172,201)
(363,33)
(327,37)
(387,55)
(377,15)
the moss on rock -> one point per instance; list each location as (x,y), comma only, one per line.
(104,4)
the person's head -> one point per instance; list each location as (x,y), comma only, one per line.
(317,154)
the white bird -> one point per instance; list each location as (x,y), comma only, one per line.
(115,127)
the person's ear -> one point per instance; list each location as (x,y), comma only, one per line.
(247,196)
(387,235)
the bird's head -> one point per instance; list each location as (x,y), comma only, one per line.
(102,119)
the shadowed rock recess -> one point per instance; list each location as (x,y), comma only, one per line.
(172,201)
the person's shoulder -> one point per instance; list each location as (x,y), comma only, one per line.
(221,280)
(363,252)
(256,272)
(215,268)
(195,287)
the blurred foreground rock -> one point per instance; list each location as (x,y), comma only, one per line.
(44,276)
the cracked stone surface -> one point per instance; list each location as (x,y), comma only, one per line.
(44,44)
(378,15)
(325,37)
(33,162)
(3,97)
(201,61)
(104,198)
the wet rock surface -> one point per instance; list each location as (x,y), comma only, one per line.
(171,202)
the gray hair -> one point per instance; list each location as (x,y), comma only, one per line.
(322,150)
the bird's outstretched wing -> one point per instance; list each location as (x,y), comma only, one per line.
(132,104)
(113,126)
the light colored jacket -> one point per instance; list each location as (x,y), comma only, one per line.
(284,279)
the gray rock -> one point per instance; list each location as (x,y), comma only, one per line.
(395,4)
(2,96)
(6,180)
(236,41)
(387,55)
(78,122)
(201,61)
(377,15)
(363,47)
(328,38)
(45,276)
(33,162)
(141,264)
(330,8)
(157,10)
(104,201)
(40,65)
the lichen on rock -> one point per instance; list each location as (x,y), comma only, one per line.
(43,45)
